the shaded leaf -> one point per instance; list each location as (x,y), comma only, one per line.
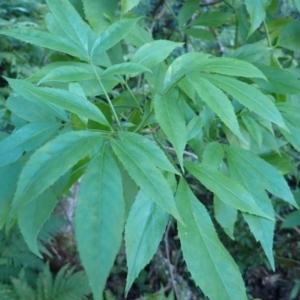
(250,97)
(225,215)
(260,173)
(144,230)
(99,218)
(253,128)
(262,229)
(51,161)
(169,116)
(127,68)
(8,183)
(112,35)
(289,36)
(211,266)
(27,138)
(33,215)
(29,111)
(215,18)
(279,80)
(187,10)
(146,175)
(256,10)
(213,155)
(128,5)
(233,67)
(228,190)
(182,65)
(99,13)
(45,39)
(217,101)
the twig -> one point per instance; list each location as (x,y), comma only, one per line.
(215,34)
(211,3)
(157,17)
(151,131)
(187,153)
(282,220)
(173,282)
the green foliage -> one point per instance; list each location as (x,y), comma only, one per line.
(137,118)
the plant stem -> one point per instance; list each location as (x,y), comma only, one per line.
(107,97)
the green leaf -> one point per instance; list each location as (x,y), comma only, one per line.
(187,10)
(99,13)
(256,10)
(128,5)
(199,33)
(33,215)
(289,36)
(262,229)
(233,67)
(182,65)
(260,173)
(169,116)
(213,19)
(194,127)
(292,136)
(144,230)
(99,218)
(67,74)
(211,266)
(27,138)
(140,167)
(297,3)
(74,28)
(29,111)
(253,128)
(281,161)
(153,152)
(127,68)
(217,101)
(225,215)
(279,80)
(249,96)
(62,98)
(228,190)
(250,52)
(152,53)
(292,220)
(45,39)
(112,35)
(8,184)
(213,155)
(51,161)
